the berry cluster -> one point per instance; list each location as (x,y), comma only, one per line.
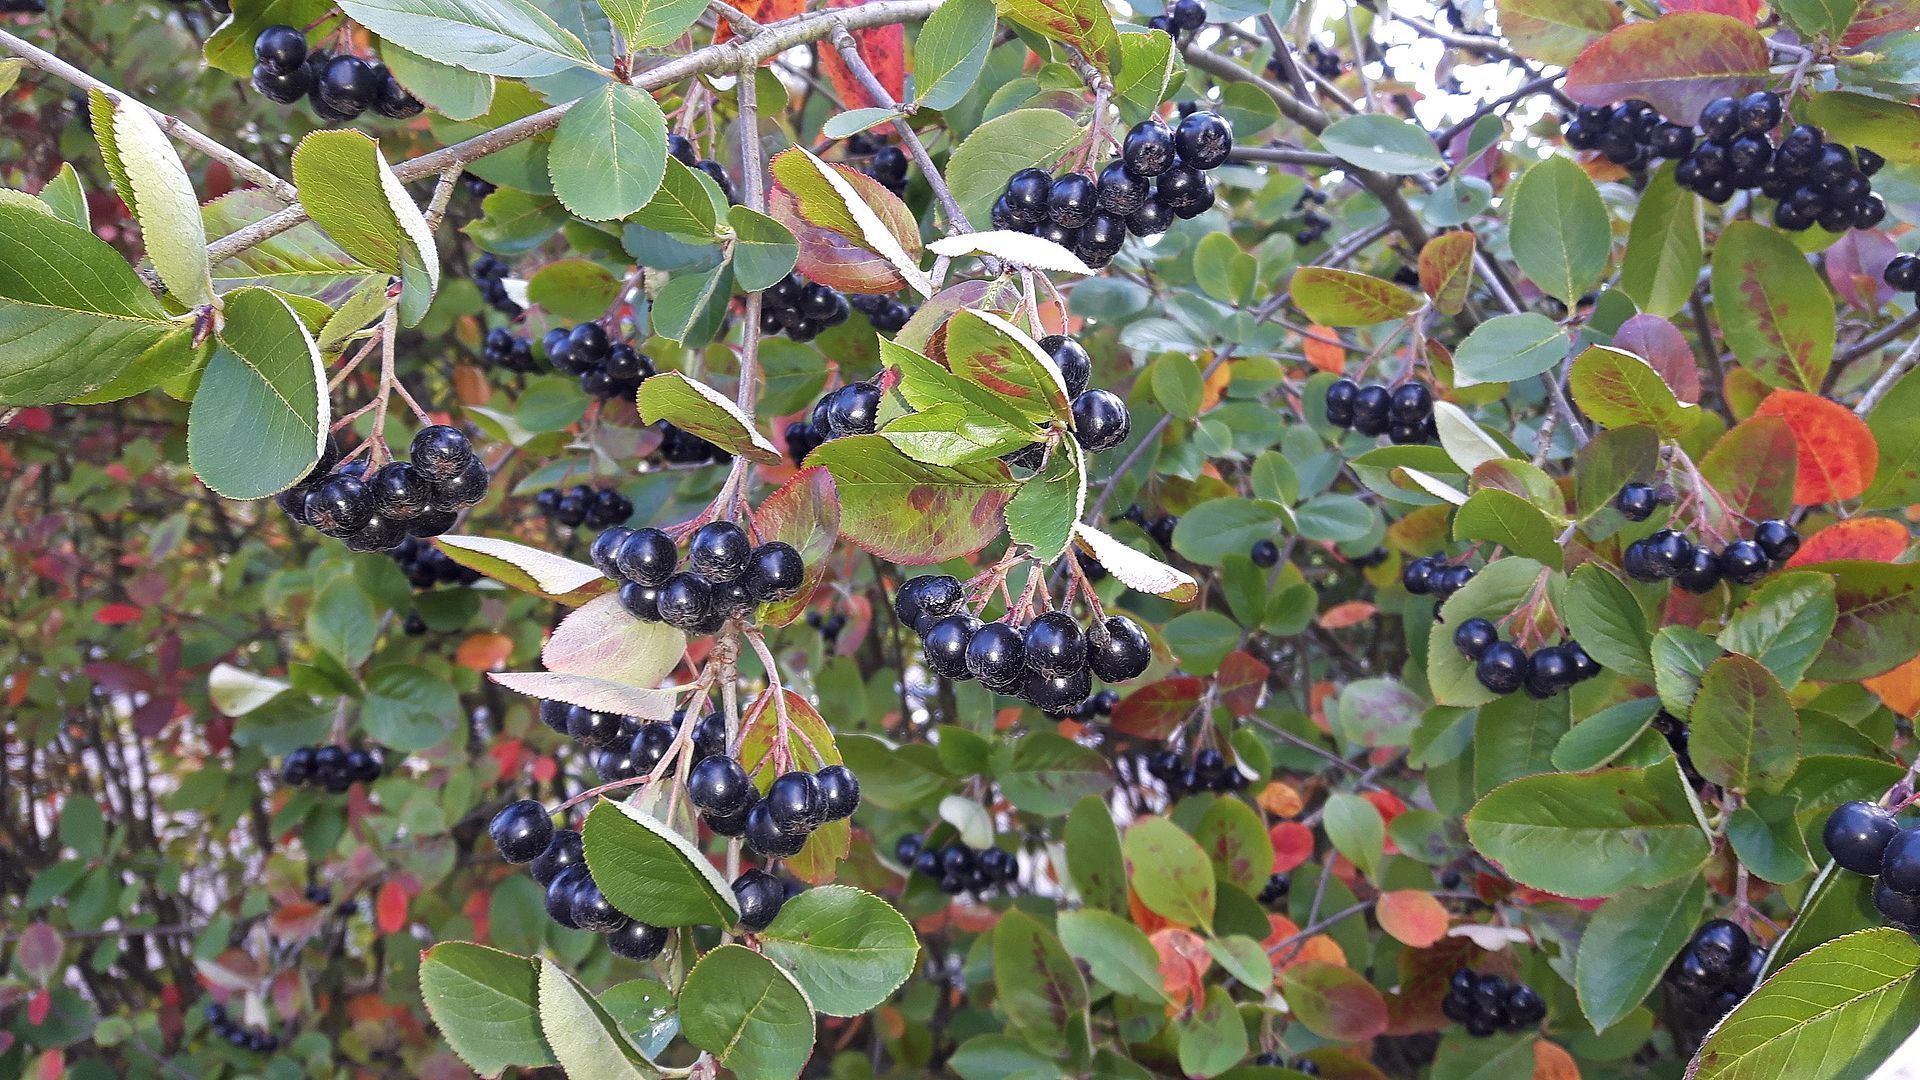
(504,349)
(490,275)
(888,314)
(1489,1003)
(1159,528)
(1314,222)
(680,148)
(1209,771)
(1275,890)
(681,447)
(524,833)
(340,87)
(1812,181)
(725,576)
(1503,667)
(1097,707)
(1432,575)
(606,368)
(1864,837)
(957,867)
(1049,663)
(1404,414)
(1276,1059)
(237,1034)
(1161,175)
(1697,567)
(1717,968)
(1100,419)
(777,824)
(853,409)
(889,164)
(801,309)
(1182,19)
(421,497)
(427,566)
(829,626)
(331,768)
(583,504)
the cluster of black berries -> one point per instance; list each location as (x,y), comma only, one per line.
(1275,890)
(1325,61)
(1864,837)
(1182,19)
(606,368)
(1489,1003)
(340,87)
(421,497)
(1161,175)
(680,148)
(1159,528)
(888,164)
(524,833)
(1503,667)
(681,447)
(1431,575)
(1209,771)
(725,575)
(957,867)
(1314,222)
(1404,414)
(1050,663)
(888,314)
(236,1034)
(331,768)
(427,566)
(490,276)
(1097,707)
(829,626)
(1697,567)
(1717,968)
(853,409)
(1903,274)
(1303,1066)
(801,309)
(777,824)
(504,349)
(1100,419)
(583,504)
(23,7)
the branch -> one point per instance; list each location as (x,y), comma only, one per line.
(242,165)
(1887,378)
(849,51)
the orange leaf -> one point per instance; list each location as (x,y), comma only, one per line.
(1837,452)
(1292,845)
(1874,539)
(1324,354)
(1899,689)
(1145,917)
(1413,917)
(1283,928)
(1239,681)
(1281,800)
(1183,963)
(116,614)
(1387,803)
(1351,613)
(1551,1062)
(391,907)
(484,652)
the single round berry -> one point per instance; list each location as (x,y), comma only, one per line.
(1122,652)
(592,911)
(521,830)
(1070,202)
(465,489)
(906,850)
(839,792)
(1524,1006)
(721,785)
(1474,637)
(1720,118)
(1636,501)
(1204,139)
(766,837)
(775,571)
(760,896)
(685,601)
(718,551)
(637,941)
(440,452)
(646,557)
(1073,360)
(1265,553)
(339,505)
(934,595)
(349,84)
(281,48)
(1900,863)
(605,549)
(1902,273)
(1670,551)
(562,851)
(1744,561)
(1148,149)
(394,102)
(1417,576)
(1550,670)
(560,894)
(599,730)
(1761,112)
(1900,909)
(1027,195)
(946,643)
(1120,192)
(1857,834)
(1777,538)
(641,602)
(1411,403)
(1055,644)
(1502,668)
(1057,695)
(999,864)
(795,803)
(1723,948)
(1152,219)
(1100,420)
(996,654)
(1370,408)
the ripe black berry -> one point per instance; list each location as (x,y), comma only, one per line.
(1636,501)
(1777,538)
(1148,149)
(1900,909)
(930,595)
(946,643)
(766,837)
(1122,652)
(795,803)
(338,505)
(1100,420)
(996,654)
(560,894)
(596,729)
(592,911)
(1900,864)
(1055,645)
(1903,273)
(1550,670)
(464,489)
(1152,219)
(1723,948)
(1761,112)
(1857,834)
(1264,553)
(280,48)
(1027,195)
(1070,202)
(1417,576)
(637,941)
(1474,636)
(1057,694)
(760,896)
(1720,118)
(1120,192)
(1075,364)
(839,792)
(1744,562)
(440,452)
(282,87)
(562,851)
(1502,668)
(646,557)
(685,601)
(719,784)
(521,830)
(1204,139)
(775,572)
(1370,407)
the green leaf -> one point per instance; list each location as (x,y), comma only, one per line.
(1214,1039)
(409,709)
(694,406)
(1555,31)
(515,222)
(1224,271)
(1202,639)
(1775,311)
(585,1040)
(848,949)
(1591,834)
(1210,532)
(1838,902)
(1619,389)
(1333,1001)
(1176,381)
(342,622)
(1508,348)
(1558,227)
(1500,517)
(1605,618)
(1746,735)
(350,192)
(74,317)
(1147,65)
(485,1003)
(1890,127)
(609,152)
(1877,626)
(1042,514)
(1680,657)
(1628,943)
(1840,1010)
(1600,738)
(1766,839)
(763,250)
(1816,18)
(1494,592)
(1039,987)
(1663,249)
(951,51)
(261,415)
(67,197)
(690,307)
(452,92)
(985,349)
(854,121)
(748,1012)
(688,204)
(906,512)
(1356,830)
(1345,298)
(978,168)
(1232,835)
(1114,950)
(1094,861)
(1382,143)
(952,434)
(652,873)
(1783,624)
(853,211)
(1084,24)
(1169,871)
(1045,773)
(513,38)
(575,289)
(1895,423)
(652,24)
(528,569)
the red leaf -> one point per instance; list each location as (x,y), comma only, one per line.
(390,907)
(1183,963)
(484,652)
(117,615)
(1334,1002)
(1747,11)
(884,48)
(1413,917)
(805,512)
(1855,264)
(1876,17)
(1350,613)
(1678,62)
(1665,349)
(39,952)
(1838,454)
(1292,845)
(38,1006)
(761,11)
(1238,682)
(1753,467)
(1871,538)
(1898,689)
(1154,710)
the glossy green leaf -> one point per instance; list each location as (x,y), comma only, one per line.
(1664,248)
(1628,944)
(749,1013)
(1775,311)
(848,949)
(1382,143)
(486,1004)
(609,152)
(1558,228)
(652,873)
(1590,834)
